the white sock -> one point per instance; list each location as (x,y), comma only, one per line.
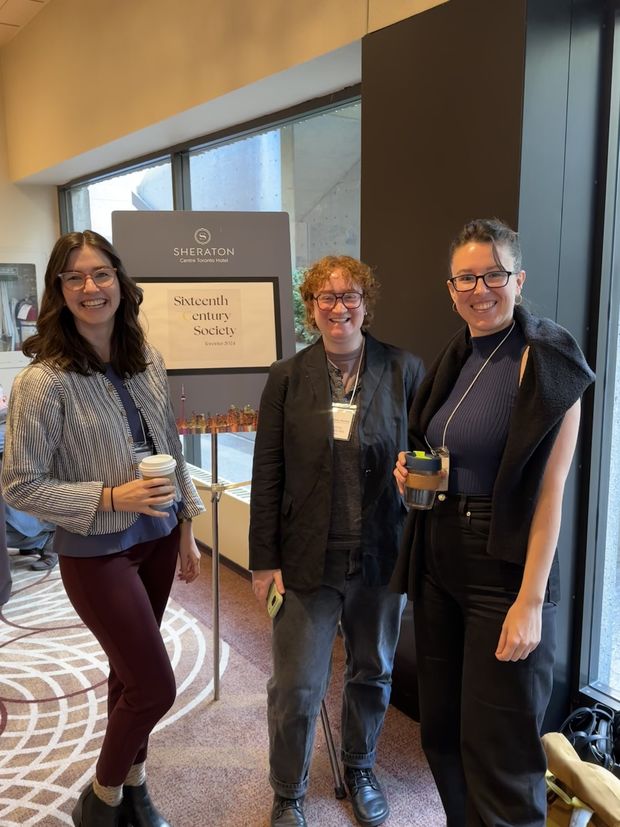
(112,796)
(136,776)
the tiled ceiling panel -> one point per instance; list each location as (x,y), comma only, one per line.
(15,14)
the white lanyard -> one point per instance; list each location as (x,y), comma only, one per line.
(359,367)
(473,381)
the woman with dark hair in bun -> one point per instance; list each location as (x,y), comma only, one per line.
(502,404)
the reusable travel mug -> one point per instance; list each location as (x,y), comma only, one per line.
(423,479)
(159,465)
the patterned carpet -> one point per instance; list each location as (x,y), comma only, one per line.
(53,689)
(207,764)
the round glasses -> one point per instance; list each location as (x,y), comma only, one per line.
(468,281)
(74,280)
(327,301)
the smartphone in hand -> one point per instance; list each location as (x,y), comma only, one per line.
(274,600)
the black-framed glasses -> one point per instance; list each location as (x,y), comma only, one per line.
(75,280)
(468,281)
(327,301)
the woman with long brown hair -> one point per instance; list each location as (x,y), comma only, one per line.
(94,402)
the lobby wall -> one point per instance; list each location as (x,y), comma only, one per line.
(28,228)
(85,73)
(89,82)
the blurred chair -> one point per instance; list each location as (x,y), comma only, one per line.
(30,536)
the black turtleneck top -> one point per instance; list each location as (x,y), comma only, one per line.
(476,434)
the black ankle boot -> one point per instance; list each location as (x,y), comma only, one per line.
(139,810)
(370,806)
(288,812)
(91,811)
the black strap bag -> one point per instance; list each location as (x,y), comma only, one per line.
(594,732)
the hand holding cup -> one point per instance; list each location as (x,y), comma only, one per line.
(144,496)
(424,477)
(400,472)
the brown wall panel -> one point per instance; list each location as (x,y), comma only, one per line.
(442,100)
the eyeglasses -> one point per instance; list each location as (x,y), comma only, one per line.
(327,301)
(468,281)
(101,277)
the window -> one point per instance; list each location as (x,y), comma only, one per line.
(305,163)
(603,669)
(146,188)
(307,166)
(600,661)
(310,168)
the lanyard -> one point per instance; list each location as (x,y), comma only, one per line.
(473,382)
(359,367)
(343,413)
(144,439)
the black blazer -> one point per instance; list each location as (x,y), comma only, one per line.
(290,506)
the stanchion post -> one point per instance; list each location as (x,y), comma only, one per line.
(217,489)
(215,563)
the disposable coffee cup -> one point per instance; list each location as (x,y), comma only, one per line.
(159,465)
(423,479)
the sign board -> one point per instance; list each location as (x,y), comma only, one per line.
(217,298)
(208,325)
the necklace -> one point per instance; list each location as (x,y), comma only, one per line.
(473,381)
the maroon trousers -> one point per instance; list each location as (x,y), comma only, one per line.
(121,598)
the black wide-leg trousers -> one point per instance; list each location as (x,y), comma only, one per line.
(480,717)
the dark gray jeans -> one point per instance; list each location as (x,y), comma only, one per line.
(303,637)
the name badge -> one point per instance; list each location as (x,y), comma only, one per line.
(343,416)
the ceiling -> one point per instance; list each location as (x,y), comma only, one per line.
(15,14)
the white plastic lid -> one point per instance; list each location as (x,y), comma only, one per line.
(158,464)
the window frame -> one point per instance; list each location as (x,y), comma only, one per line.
(178,154)
(589,634)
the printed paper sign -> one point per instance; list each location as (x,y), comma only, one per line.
(203,324)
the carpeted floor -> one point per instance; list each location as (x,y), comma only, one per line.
(208,760)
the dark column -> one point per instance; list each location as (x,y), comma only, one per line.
(442,99)
(562,148)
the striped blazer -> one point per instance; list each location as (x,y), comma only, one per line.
(68,437)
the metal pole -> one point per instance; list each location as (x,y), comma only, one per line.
(339,790)
(215,563)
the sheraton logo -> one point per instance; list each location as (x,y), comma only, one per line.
(202,253)
(202,236)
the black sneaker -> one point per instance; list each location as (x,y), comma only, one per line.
(370,806)
(287,812)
